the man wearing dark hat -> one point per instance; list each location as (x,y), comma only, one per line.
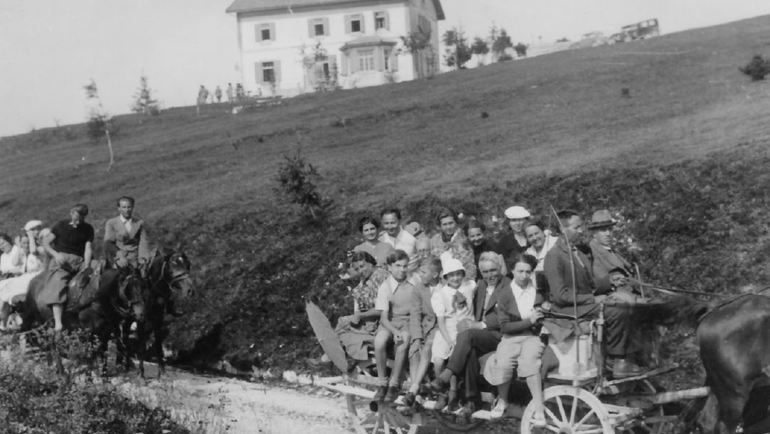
(578,295)
(605,258)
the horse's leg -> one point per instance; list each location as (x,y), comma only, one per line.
(756,419)
(141,342)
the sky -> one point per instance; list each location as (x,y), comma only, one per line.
(50,49)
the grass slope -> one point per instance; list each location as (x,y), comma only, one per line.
(683,157)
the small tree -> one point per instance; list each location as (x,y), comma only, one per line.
(458,52)
(99,122)
(757,68)
(417,43)
(479,48)
(297,183)
(521,49)
(143,101)
(500,42)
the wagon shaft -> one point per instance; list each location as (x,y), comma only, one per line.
(667,397)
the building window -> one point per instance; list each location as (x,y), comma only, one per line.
(268,72)
(381,21)
(318,27)
(265,32)
(354,23)
(386,58)
(366,60)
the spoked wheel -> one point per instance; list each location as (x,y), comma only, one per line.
(569,410)
(381,418)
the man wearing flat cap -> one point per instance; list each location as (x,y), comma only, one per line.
(605,258)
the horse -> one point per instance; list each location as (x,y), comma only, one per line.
(95,304)
(734,342)
(168,279)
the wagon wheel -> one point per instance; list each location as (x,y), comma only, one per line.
(569,410)
(380,418)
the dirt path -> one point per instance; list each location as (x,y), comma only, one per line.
(207,404)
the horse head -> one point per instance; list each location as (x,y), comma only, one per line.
(170,270)
(132,293)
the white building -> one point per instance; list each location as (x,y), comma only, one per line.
(289,47)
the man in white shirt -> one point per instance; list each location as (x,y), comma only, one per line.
(394,234)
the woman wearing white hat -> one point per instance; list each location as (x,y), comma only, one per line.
(452,303)
(515,241)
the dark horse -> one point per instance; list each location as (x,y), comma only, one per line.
(168,281)
(98,305)
(734,341)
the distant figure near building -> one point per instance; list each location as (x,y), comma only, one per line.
(239,92)
(218,94)
(203,95)
(230,93)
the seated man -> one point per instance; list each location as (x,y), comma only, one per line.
(125,237)
(481,336)
(570,296)
(399,322)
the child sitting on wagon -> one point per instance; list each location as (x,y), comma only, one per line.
(399,323)
(452,304)
(427,280)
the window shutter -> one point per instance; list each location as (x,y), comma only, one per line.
(387,20)
(258,32)
(277,72)
(310,29)
(361,20)
(348,23)
(272,31)
(258,72)
(327,30)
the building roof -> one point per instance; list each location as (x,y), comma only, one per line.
(239,6)
(369,41)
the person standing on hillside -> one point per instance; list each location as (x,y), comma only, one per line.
(230,93)
(218,94)
(125,237)
(203,95)
(70,246)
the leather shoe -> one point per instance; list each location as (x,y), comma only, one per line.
(438,385)
(622,368)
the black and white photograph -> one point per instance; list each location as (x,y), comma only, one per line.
(385,216)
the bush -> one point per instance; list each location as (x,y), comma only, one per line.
(297,184)
(757,68)
(34,398)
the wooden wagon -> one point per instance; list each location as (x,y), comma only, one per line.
(579,398)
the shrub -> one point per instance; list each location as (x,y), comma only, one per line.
(297,183)
(757,68)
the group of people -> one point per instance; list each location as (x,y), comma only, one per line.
(63,250)
(474,307)
(233,94)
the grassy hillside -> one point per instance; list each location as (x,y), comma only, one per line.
(683,158)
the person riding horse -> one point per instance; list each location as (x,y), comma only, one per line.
(70,247)
(125,238)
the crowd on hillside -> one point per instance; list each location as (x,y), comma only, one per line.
(480,309)
(63,250)
(232,94)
